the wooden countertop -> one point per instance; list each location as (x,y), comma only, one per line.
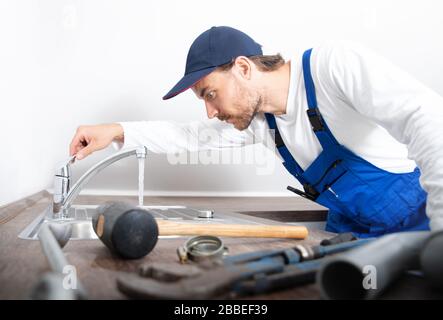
(22,261)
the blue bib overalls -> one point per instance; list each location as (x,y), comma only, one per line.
(361,197)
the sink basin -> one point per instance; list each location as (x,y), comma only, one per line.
(80,217)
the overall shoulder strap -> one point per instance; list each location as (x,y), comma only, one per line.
(289,162)
(321,130)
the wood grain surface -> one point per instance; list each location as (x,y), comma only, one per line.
(22,261)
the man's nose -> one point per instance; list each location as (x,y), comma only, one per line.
(211,110)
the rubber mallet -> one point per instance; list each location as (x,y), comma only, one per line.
(132,232)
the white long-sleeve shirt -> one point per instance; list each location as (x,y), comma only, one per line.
(373,108)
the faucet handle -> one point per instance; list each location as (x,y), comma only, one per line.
(62,183)
(63,169)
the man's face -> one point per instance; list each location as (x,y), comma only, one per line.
(229,96)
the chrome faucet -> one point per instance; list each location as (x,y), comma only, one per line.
(64,194)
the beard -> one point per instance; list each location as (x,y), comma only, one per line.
(243,121)
(253,104)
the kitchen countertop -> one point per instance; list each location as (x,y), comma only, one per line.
(22,261)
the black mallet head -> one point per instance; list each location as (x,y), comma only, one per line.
(126,230)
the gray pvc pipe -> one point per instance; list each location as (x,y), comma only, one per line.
(376,264)
(52,249)
(431,259)
(50,285)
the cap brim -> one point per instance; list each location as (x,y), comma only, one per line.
(187,82)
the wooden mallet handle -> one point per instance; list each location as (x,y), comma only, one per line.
(167,228)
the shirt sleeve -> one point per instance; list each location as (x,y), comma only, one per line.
(173,137)
(408,110)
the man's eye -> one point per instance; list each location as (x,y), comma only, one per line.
(210,95)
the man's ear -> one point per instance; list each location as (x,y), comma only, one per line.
(243,66)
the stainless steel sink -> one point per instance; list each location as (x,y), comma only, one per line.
(80,216)
(63,211)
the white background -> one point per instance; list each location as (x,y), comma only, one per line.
(64,63)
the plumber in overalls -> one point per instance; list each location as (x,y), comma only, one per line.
(362,137)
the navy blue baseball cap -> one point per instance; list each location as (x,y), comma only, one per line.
(213,48)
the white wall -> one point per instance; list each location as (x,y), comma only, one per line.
(64,63)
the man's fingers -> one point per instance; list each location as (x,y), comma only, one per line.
(76,144)
(89,139)
(77,149)
(85,151)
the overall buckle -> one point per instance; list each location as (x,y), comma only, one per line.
(311,191)
(315,119)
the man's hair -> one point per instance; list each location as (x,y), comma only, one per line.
(264,63)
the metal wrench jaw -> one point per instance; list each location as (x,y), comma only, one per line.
(211,284)
(167,272)
(214,283)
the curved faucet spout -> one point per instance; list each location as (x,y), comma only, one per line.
(63,200)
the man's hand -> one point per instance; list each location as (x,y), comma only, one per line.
(89,139)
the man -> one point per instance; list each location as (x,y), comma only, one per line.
(349,126)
